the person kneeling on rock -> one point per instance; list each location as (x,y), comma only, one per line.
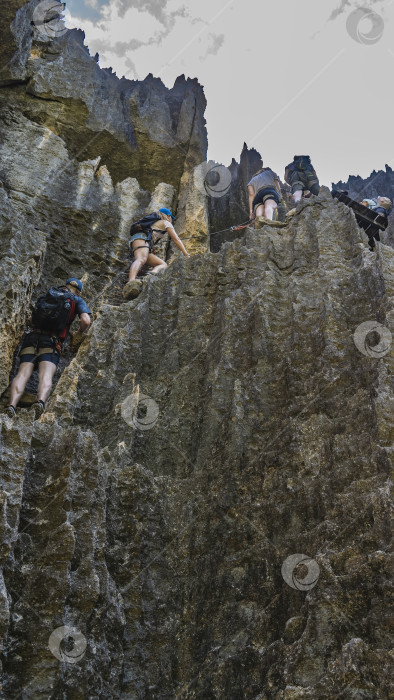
(42,345)
(144,234)
(264,194)
(301,176)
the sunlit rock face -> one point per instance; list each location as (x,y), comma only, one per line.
(203,509)
(138,128)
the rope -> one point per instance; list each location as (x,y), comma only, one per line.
(233,228)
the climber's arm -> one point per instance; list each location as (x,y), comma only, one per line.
(251,198)
(174,236)
(84,322)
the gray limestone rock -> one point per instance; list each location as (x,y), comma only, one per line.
(203,509)
(204,433)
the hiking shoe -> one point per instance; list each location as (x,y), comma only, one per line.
(261,221)
(132,289)
(10,411)
(275,224)
(39,408)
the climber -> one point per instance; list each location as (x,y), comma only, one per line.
(144,234)
(264,194)
(371,214)
(301,176)
(43,344)
(380,205)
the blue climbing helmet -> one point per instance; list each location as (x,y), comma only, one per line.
(167,211)
(76,282)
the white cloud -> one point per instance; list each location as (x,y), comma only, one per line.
(340,9)
(215,42)
(124,28)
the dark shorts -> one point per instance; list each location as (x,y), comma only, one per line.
(138,237)
(38,347)
(264,195)
(382,211)
(304,180)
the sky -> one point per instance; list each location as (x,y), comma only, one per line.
(286,77)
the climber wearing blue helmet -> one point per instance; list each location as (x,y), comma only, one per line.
(43,342)
(167,213)
(74,282)
(144,234)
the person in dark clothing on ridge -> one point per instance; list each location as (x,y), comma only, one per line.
(42,347)
(301,176)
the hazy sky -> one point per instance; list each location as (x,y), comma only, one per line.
(291,76)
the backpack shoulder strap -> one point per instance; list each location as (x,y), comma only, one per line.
(70,319)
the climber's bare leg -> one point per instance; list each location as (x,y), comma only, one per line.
(46,372)
(269,208)
(259,210)
(297,196)
(19,382)
(140,257)
(157,263)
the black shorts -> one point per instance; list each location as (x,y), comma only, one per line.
(381,210)
(39,347)
(263,195)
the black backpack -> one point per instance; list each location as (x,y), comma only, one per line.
(52,312)
(302,162)
(145,224)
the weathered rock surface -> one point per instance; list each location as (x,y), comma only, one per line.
(14,35)
(232,208)
(262,431)
(204,433)
(22,248)
(139,129)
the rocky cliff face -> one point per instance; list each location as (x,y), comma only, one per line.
(232,207)
(203,435)
(228,202)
